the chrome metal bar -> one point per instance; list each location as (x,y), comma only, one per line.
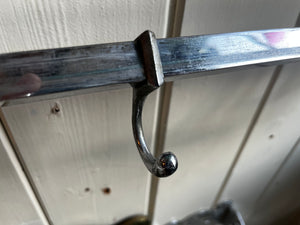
(57,70)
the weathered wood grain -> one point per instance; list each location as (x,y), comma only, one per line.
(39,24)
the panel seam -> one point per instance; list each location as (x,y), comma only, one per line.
(249,131)
(175,18)
(23,172)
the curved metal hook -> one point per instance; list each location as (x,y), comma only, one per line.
(167,163)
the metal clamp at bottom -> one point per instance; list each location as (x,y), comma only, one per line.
(146,46)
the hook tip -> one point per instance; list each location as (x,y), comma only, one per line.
(167,164)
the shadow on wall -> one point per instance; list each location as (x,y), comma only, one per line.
(290,219)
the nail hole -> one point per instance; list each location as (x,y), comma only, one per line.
(55,109)
(271,136)
(87,189)
(106,190)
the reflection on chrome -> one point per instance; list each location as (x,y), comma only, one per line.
(59,70)
(228,45)
(249,42)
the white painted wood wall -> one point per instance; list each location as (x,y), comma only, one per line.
(236,135)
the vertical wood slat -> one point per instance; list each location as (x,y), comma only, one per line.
(204,132)
(82,159)
(39,24)
(209,116)
(264,183)
(73,155)
(176,10)
(17,201)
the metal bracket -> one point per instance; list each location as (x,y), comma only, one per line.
(146,46)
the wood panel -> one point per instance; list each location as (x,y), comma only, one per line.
(82,159)
(265,182)
(210,116)
(39,24)
(17,204)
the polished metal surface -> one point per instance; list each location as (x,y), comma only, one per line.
(167,163)
(223,214)
(135,220)
(57,70)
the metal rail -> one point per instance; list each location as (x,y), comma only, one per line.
(58,70)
